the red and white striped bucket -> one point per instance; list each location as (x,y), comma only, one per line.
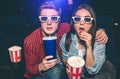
(75,73)
(15,54)
(76,66)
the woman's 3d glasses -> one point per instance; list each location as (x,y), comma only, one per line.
(49,18)
(77,19)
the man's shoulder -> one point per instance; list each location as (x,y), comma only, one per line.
(33,35)
(64,26)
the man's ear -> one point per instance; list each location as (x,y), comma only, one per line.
(60,11)
(59,20)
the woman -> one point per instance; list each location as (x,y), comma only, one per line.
(80,41)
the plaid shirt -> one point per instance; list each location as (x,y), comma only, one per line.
(34,50)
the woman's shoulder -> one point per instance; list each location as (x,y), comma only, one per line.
(64,35)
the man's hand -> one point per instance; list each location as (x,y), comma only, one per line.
(47,64)
(101,36)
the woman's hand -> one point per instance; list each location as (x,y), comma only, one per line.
(101,36)
(86,37)
(47,64)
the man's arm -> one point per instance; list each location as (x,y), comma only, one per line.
(101,36)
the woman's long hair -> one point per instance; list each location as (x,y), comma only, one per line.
(92,30)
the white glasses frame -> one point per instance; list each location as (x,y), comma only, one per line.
(82,19)
(49,18)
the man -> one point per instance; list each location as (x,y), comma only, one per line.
(37,64)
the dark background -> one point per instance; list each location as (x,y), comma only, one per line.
(29,8)
(13,7)
(18,18)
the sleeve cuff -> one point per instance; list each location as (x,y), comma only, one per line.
(91,69)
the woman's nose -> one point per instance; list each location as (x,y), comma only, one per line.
(82,22)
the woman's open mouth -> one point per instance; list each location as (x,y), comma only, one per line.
(80,30)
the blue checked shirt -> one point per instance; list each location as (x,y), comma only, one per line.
(98,52)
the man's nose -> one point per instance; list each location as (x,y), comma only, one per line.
(49,21)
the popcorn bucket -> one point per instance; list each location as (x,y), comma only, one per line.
(15,54)
(76,66)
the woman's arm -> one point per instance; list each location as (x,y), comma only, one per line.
(99,58)
(65,54)
(95,56)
